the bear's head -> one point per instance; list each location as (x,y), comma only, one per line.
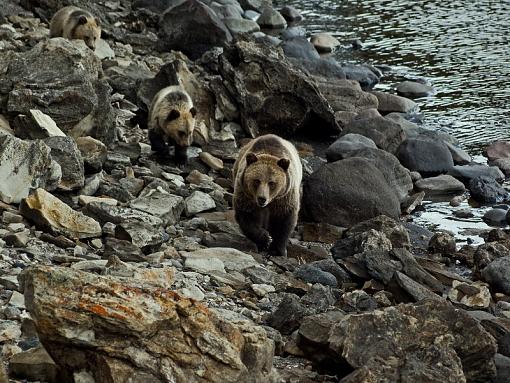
(179,125)
(265,177)
(88,30)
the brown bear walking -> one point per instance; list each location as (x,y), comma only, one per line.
(267,192)
(76,23)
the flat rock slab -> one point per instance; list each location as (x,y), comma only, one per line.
(440,185)
(51,214)
(104,212)
(234,260)
(198,202)
(123,328)
(166,206)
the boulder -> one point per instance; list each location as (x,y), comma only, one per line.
(25,165)
(232,259)
(497,274)
(440,185)
(488,190)
(346,192)
(66,153)
(237,26)
(300,48)
(364,74)
(290,13)
(93,153)
(347,96)
(413,89)
(35,125)
(198,202)
(342,147)
(498,150)
(324,42)
(386,134)
(417,339)
(116,329)
(51,214)
(33,364)
(284,99)
(389,103)
(159,203)
(467,172)
(426,156)
(460,157)
(192,27)
(64,80)
(272,19)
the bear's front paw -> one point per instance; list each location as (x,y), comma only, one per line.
(264,242)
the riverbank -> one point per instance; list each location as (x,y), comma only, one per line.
(119,265)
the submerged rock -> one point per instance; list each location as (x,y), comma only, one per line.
(121,328)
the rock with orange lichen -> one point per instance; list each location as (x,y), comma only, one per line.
(131,331)
(51,214)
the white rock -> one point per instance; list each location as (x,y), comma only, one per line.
(198,202)
(46,124)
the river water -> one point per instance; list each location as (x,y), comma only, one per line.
(461,48)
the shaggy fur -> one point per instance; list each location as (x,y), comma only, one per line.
(76,23)
(267,192)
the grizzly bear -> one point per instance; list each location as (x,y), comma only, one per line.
(172,121)
(267,192)
(75,23)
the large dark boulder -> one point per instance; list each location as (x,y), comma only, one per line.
(346,192)
(488,190)
(272,94)
(193,28)
(426,156)
(64,80)
(386,134)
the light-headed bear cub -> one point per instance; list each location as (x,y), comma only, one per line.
(172,121)
(267,192)
(75,23)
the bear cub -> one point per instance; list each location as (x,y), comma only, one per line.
(172,121)
(75,23)
(267,192)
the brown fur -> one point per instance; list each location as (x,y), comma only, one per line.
(267,191)
(75,23)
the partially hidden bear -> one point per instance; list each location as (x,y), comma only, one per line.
(75,23)
(172,121)
(267,192)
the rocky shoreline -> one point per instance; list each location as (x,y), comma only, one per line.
(121,266)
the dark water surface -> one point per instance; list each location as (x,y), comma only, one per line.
(460,47)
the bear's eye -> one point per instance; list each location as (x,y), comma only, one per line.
(256,183)
(272,185)
(182,134)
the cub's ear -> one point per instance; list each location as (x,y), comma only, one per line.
(193,111)
(251,158)
(284,163)
(98,22)
(82,20)
(173,115)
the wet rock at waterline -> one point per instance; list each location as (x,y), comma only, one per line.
(105,306)
(440,185)
(391,103)
(488,190)
(290,13)
(346,192)
(271,18)
(426,156)
(412,89)
(348,143)
(324,42)
(498,150)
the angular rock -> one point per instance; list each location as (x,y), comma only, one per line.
(412,89)
(426,156)
(322,232)
(66,153)
(284,101)
(36,125)
(204,265)
(460,157)
(417,340)
(503,164)
(158,203)
(148,238)
(288,315)
(346,192)
(392,229)
(324,42)
(312,274)
(271,18)
(124,250)
(234,260)
(104,213)
(198,202)
(440,185)
(51,214)
(386,134)
(76,96)
(121,326)
(391,103)
(475,295)
(192,27)
(350,142)
(290,13)
(25,165)
(34,364)
(488,190)
(442,243)
(93,153)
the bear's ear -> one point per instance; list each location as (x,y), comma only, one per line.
(251,158)
(173,115)
(98,22)
(82,20)
(284,163)
(193,112)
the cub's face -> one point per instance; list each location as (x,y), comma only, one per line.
(88,30)
(265,180)
(179,126)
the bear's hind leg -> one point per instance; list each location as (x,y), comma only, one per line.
(281,227)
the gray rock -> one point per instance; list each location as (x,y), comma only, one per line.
(251,15)
(394,231)
(366,77)
(467,172)
(346,192)
(104,213)
(271,18)
(440,185)
(503,164)
(460,157)
(93,153)
(158,203)
(386,134)
(237,26)
(234,260)
(497,274)
(488,190)
(498,150)
(324,42)
(34,364)
(193,28)
(36,125)
(76,97)
(503,368)
(289,314)
(412,89)
(300,48)
(312,274)
(442,243)
(290,13)
(204,265)
(392,103)
(293,32)
(348,143)
(198,202)
(148,238)
(254,5)
(25,165)
(66,153)
(426,156)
